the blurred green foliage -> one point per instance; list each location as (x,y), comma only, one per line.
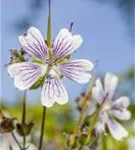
(60,120)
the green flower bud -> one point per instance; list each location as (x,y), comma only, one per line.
(72,141)
(17,56)
(24,129)
(84,136)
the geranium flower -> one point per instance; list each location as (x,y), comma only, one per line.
(111,108)
(52,61)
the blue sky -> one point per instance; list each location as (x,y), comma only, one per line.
(103,30)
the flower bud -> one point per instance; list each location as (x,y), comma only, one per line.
(24,129)
(17,56)
(83,139)
(80,101)
(83,136)
(7,125)
(72,141)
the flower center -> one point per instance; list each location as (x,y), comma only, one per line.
(106,107)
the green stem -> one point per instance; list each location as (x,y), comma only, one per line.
(42,128)
(14,137)
(49,46)
(24,108)
(24,117)
(49,26)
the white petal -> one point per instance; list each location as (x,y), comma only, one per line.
(116,129)
(131,143)
(110,83)
(121,102)
(28,145)
(66,43)
(119,108)
(53,91)
(100,127)
(98,84)
(122,114)
(98,91)
(31,146)
(101,124)
(33,43)
(77,70)
(26,74)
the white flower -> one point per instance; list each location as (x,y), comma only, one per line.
(26,74)
(111,108)
(7,141)
(131,143)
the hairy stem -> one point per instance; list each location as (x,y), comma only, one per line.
(86,99)
(24,116)
(42,128)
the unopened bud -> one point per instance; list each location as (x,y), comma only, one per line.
(24,129)
(72,141)
(83,136)
(7,125)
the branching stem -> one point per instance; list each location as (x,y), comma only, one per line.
(86,99)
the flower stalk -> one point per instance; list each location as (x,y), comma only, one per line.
(48,70)
(49,26)
(87,100)
(42,128)
(24,117)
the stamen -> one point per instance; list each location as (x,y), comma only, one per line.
(49,6)
(71,26)
(25,34)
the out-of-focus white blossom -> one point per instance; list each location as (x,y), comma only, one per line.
(111,108)
(6,140)
(131,143)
